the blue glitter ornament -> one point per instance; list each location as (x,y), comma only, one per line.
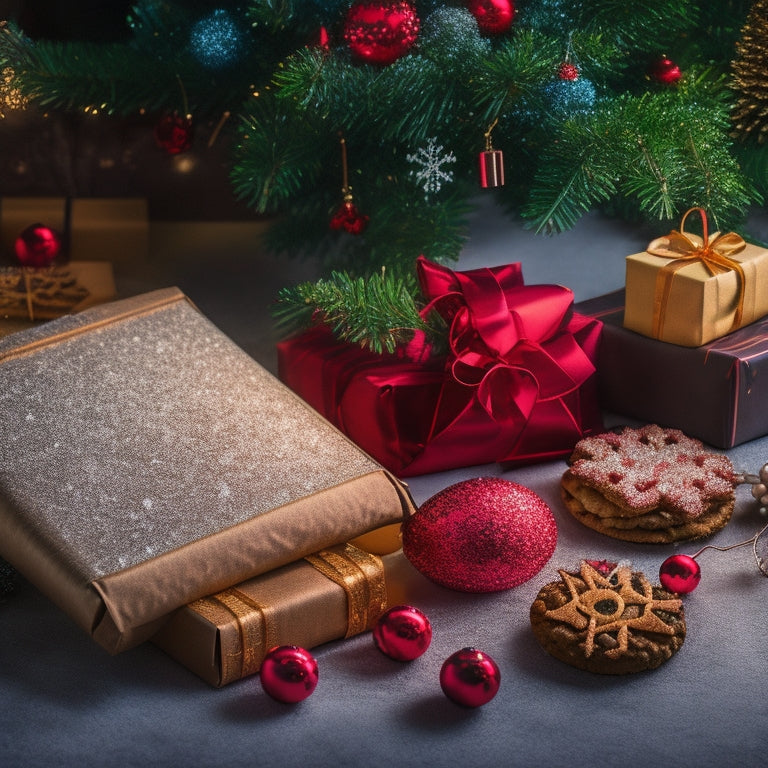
(566,98)
(216,40)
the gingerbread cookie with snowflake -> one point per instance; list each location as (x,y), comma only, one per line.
(649,485)
(608,619)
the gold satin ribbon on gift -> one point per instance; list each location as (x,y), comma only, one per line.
(714,254)
(359,573)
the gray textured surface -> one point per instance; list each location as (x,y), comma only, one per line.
(65,702)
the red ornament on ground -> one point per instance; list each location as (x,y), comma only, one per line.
(680,573)
(403,633)
(349,219)
(470,677)
(380,32)
(174,133)
(494,17)
(666,72)
(568,71)
(37,246)
(289,674)
(481,535)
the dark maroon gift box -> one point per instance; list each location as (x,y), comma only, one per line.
(716,392)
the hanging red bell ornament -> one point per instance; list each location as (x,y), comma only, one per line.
(380,32)
(666,72)
(347,217)
(37,246)
(173,133)
(494,17)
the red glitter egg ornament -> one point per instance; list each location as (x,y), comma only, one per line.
(494,17)
(289,674)
(380,32)
(680,574)
(403,633)
(568,71)
(481,535)
(470,677)
(37,246)
(174,133)
(666,72)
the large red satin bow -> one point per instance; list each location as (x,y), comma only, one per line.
(507,339)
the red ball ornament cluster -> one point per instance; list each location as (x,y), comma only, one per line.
(173,133)
(470,677)
(494,17)
(380,32)
(289,674)
(666,72)
(37,246)
(403,633)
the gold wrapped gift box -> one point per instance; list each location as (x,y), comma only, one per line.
(332,594)
(692,294)
(147,461)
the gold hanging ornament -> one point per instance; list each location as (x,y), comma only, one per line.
(491,162)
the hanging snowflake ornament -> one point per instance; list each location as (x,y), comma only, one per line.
(430,161)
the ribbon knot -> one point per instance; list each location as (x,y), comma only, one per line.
(507,340)
(713,252)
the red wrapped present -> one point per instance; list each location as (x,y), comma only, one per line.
(517,385)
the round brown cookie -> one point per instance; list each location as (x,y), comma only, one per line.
(612,623)
(649,485)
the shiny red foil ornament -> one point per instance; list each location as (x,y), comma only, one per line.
(666,72)
(349,218)
(494,17)
(481,535)
(380,32)
(403,633)
(680,574)
(173,133)
(37,246)
(470,677)
(289,674)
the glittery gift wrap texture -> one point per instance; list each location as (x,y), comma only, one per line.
(147,461)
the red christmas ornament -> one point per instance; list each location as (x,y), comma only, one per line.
(380,32)
(494,17)
(481,535)
(350,219)
(37,246)
(666,72)
(403,633)
(174,133)
(680,573)
(470,677)
(289,674)
(568,71)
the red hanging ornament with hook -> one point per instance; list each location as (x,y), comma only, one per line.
(348,217)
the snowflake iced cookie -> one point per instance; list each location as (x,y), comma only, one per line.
(649,485)
(612,622)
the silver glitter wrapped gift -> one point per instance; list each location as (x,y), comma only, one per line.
(147,461)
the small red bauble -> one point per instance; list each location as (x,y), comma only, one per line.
(494,17)
(289,674)
(568,71)
(380,32)
(174,133)
(666,72)
(470,677)
(403,633)
(680,573)
(481,535)
(349,218)
(37,246)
